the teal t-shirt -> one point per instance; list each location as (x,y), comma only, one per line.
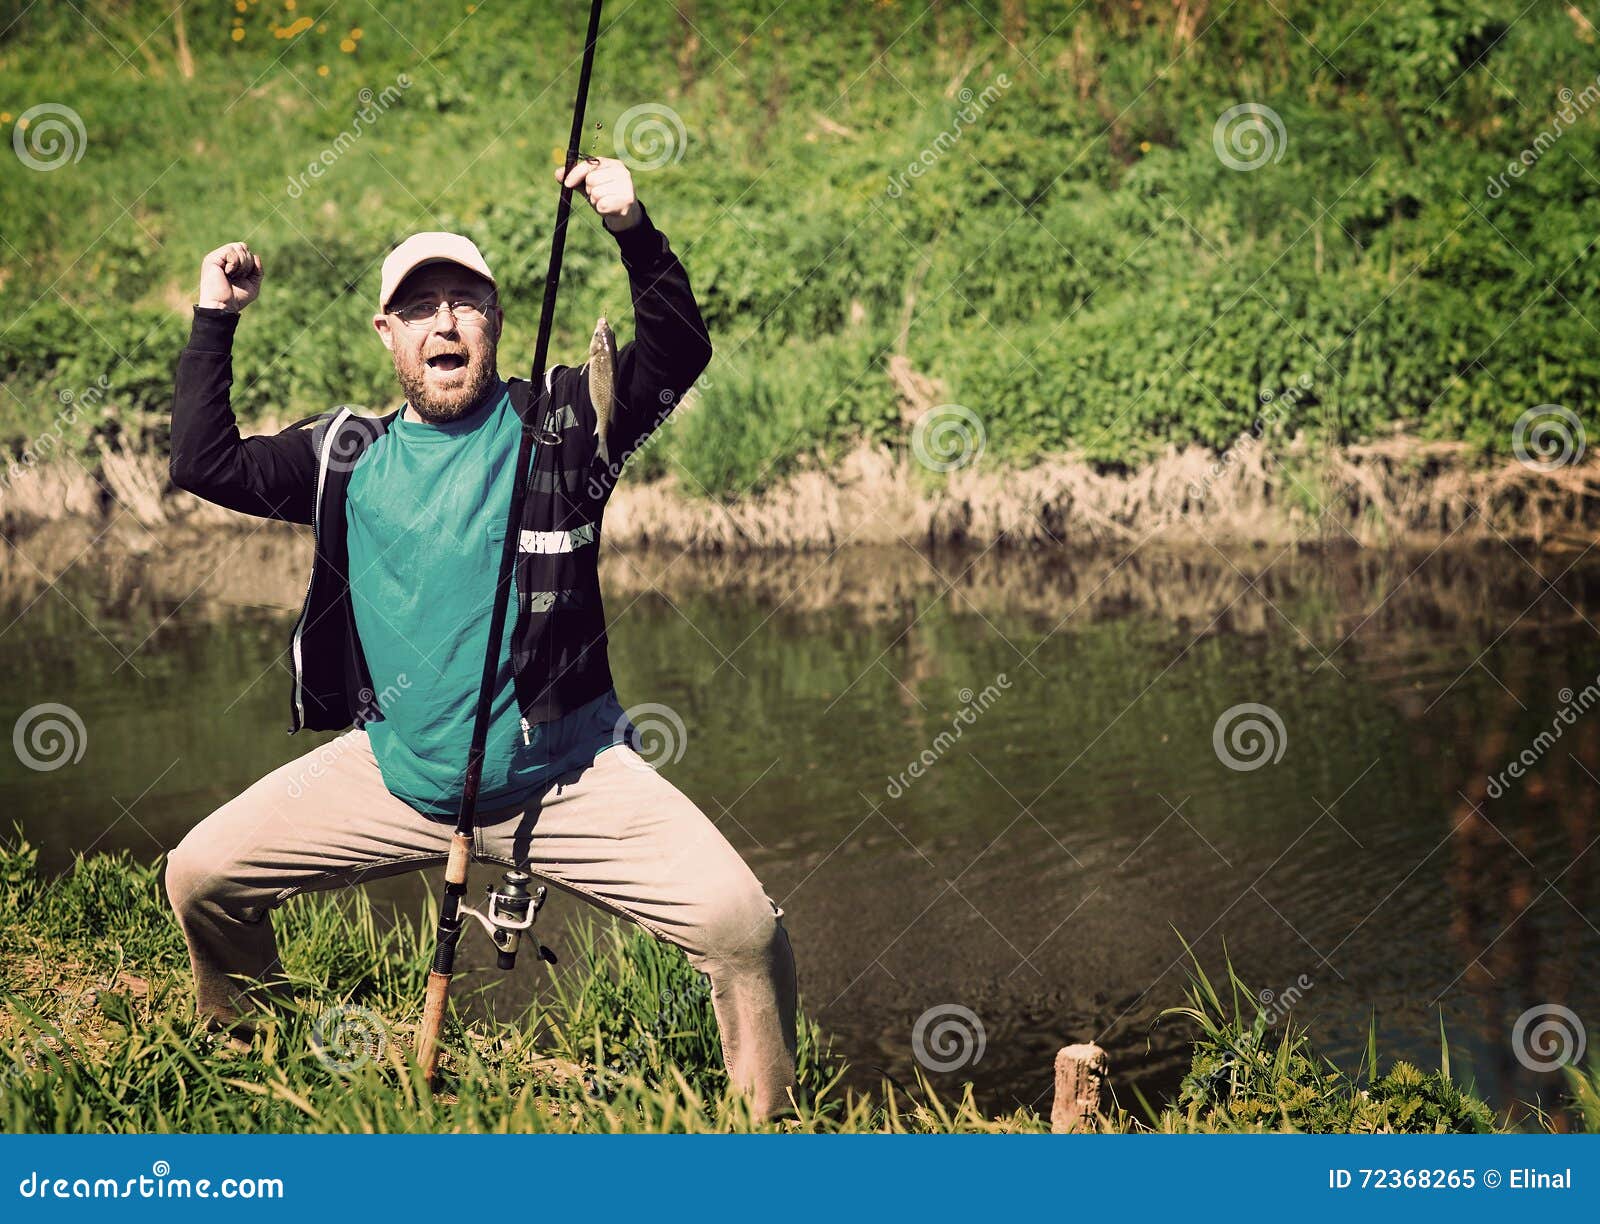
(426,518)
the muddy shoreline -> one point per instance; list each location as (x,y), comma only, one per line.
(1400,492)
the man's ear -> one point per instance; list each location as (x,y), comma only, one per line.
(381,323)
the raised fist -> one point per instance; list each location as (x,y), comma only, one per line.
(230,277)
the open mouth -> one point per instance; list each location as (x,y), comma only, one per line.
(447,362)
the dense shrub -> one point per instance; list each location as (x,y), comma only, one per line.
(1077,264)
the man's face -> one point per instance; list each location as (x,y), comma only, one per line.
(446,362)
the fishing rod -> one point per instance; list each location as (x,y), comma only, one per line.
(512,908)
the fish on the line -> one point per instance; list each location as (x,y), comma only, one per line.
(602,382)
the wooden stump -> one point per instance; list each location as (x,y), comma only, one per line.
(1080,1075)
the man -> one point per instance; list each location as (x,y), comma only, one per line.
(409,517)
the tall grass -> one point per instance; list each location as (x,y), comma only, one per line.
(1585,1086)
(96,1035)
(1243,1079)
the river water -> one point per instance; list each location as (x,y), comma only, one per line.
(1033,880)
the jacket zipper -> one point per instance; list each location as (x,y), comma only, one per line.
(522,595)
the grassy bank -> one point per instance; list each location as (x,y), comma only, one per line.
(96,1037)
(1078,265)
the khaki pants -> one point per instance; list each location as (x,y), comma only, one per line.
(613,832)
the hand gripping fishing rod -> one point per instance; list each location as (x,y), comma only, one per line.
(513,908)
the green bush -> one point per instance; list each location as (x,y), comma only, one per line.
(1239,1079)
(1078,264)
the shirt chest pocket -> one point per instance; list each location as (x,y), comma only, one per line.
(495,534)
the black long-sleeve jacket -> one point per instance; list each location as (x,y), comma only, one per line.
(301,475)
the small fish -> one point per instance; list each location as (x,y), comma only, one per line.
(602,382)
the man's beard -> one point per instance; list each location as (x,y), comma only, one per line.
(441,407)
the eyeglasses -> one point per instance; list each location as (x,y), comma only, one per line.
(465,310)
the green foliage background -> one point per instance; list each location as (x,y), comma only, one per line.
(1084,270)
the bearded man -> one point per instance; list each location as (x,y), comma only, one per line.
(409,517)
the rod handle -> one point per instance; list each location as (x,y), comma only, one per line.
(455,868)
(432,1024)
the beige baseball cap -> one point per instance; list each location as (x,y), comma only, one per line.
(434,246)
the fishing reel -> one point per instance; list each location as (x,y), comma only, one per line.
(511,911)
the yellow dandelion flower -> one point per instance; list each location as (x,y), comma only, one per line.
(238,36)
(472,8)
(356,33)
(346,45)
(5,116)
(239,6)
(22,124)
(322,70)
(322,27)
(1144,146)
(289,4)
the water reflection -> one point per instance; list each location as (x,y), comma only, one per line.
(1044,860)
